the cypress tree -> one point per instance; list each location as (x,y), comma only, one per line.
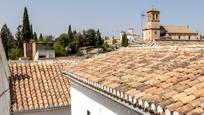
(41,38)
(124,40)
(70,33)
(26,31)
(69,37)
(99,40)
(19,37)
(31,31)
(35,37)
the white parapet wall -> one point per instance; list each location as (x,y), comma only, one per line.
(4,83)
(85,101)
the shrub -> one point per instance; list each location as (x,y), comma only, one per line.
(14,54)
(59,50)
(79,52)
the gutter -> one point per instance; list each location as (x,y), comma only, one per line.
(40,110)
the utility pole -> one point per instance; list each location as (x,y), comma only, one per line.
(142,21)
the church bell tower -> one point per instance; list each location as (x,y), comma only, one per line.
(152,30)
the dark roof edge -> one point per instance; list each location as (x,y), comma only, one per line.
(131,102)
(41,110)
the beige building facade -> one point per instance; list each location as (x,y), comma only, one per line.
(152,30)
(155,31)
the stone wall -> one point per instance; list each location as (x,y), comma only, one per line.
(179,42)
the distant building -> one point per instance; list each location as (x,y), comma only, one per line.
(155,31)
(131,35)
(36,51)
(112,40)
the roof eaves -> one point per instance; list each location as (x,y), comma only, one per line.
(139,105)
(40,110)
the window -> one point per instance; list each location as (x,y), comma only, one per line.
(42,56)
(155,33)
(157,17)
(88,112)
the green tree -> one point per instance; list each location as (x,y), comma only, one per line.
(19,37)
(26,27)
(49,38)
(35,37)
(69,37)
(124,40)
(105,47)
(99,40)
(7,39)
(31,32)
(59,50)
(91,36)
(79,52)
(41,39)
(61,39)
(14,53)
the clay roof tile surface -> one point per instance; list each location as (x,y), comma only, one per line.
(167,78)
(38,85)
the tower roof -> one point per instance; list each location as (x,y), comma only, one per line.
(153,10)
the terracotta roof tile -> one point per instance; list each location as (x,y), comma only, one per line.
(38,85)
(172,79)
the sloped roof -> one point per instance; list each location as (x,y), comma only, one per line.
(178,30)
(157,80)
(38,85)
(153,10)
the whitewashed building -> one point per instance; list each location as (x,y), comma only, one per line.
(36,51)
(131,35)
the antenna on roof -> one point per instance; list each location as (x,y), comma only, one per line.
(152,6)
(143,15)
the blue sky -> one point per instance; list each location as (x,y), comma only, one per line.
(110,16)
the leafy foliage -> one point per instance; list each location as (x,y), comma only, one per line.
(19,37)
(59,50)
(106,47)
(35,37)
(7,39)
(72,41)
(124,40)
(14,53)
(41,39)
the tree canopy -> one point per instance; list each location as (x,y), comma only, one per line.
(124,40)
(7,39)
(73,40)
(26,30)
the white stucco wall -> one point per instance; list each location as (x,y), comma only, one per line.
(58,111)
(46,53)
(84,99)
(4,83)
